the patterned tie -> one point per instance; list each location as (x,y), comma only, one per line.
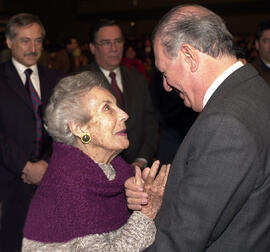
(116,89)
(36,103)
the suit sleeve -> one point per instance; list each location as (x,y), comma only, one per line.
(206,190)
(12,156)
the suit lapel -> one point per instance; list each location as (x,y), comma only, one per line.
(42,83)
(127,90)
(97,70)
(15,83)
(232,81)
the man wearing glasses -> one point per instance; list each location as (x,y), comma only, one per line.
(129,87)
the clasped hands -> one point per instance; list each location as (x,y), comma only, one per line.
(145,191)
(32,173)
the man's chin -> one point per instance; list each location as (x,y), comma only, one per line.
(114,64)
(31,61)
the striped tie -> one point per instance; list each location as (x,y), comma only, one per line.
(36,103)
(116,89)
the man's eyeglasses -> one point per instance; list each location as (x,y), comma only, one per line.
(109,43)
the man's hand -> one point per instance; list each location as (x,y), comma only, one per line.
(33,172)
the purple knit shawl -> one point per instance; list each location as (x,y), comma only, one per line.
(75,198)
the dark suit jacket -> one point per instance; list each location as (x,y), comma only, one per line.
(217,197)
(17,121)
(142,125)
(263,69)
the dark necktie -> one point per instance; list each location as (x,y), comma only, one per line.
(36,103)
(116,89)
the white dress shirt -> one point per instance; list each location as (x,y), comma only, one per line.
(117,76)
(34,76)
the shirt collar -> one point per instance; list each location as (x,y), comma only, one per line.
(213,87)
(21,68)
(106,72)
(267,64)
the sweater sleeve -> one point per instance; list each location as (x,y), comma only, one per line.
(136,235)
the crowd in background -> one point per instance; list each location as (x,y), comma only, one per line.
(71,54)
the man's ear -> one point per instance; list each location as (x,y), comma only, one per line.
(9,42)
(92,48)
(190,56)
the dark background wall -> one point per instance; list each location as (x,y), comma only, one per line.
(65,17)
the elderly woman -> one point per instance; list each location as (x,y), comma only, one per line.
(80,204)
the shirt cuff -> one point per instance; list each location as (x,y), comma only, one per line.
(142,160)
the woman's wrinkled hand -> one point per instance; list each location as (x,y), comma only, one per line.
(145,191)
(154,186)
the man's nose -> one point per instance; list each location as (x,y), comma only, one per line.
(33,46)
(166,86)
(113,45)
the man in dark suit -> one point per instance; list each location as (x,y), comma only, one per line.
(24,149)
(262,43)
(218,191)
(106,43)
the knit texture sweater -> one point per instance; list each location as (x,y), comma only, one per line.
(75,198)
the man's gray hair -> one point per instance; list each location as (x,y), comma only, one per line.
(66,105)
(202,29)
(21,20)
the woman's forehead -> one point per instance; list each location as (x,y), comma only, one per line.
(99,95)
